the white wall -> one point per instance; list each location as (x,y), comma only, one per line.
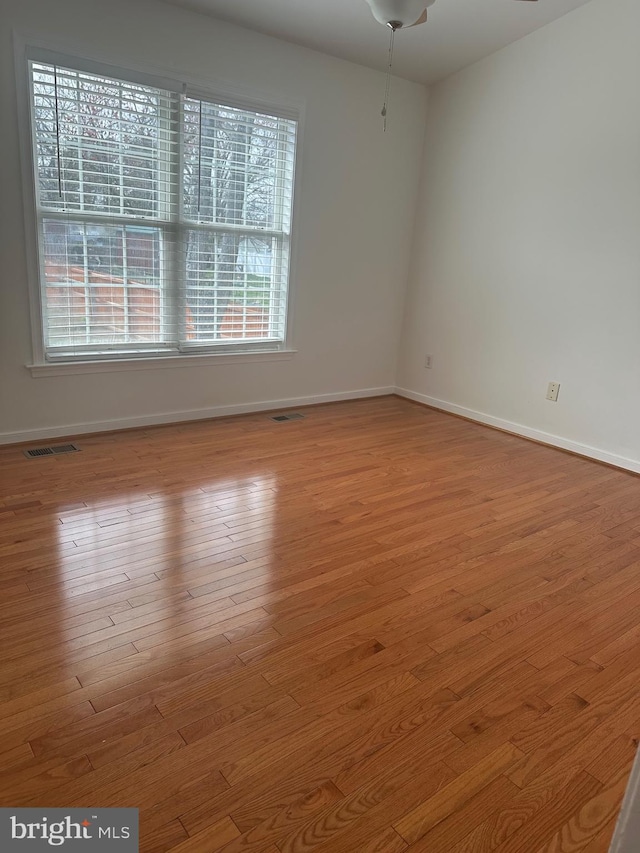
(526,264)
(354,219)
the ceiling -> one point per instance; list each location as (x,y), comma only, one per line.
(457,33)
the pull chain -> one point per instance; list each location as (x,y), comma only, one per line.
(388,83)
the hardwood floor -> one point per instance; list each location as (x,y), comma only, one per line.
(377,629)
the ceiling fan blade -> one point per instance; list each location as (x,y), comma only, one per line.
(421,20)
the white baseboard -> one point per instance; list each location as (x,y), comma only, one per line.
(525,431)
(315,399)
(188,415)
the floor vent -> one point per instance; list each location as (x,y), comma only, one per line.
(293,416)
(50,451)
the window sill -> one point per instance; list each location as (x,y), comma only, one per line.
(122,365)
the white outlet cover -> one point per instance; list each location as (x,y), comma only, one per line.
(553,389)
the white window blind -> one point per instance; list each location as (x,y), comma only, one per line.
(164,220)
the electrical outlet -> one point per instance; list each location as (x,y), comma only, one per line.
(552,391)
(428,361)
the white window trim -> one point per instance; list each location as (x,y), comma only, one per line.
(29,46)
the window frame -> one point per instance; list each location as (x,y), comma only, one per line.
(30,49)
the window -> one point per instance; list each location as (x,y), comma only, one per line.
(164,219)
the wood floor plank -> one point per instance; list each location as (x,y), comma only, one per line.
(613,757)
(418,822)
(215,838)
(161,839)
(276,826)
(532,817)
(602,841)
(367,830)
(448,832)
(589,820)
